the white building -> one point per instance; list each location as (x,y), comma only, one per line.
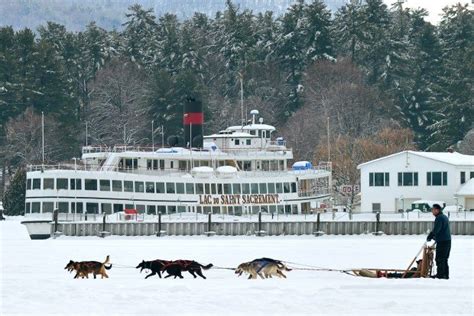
(393,182)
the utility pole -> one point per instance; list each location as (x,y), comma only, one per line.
(42,134)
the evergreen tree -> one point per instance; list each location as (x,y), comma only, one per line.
(348,31)
(455,91)
(14,197)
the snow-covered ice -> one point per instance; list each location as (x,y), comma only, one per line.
(34,282)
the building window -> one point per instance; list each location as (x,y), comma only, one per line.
(48,183)
(471,175)
(28,184)
(437,178)
(248,142)
(116,185)
(104,185)
(90,184)
(376,207)
(379,179)
(407,179)
(463,177)
(237,142)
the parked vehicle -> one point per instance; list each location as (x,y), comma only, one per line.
(426,205)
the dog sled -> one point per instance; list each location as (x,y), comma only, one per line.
(423,269)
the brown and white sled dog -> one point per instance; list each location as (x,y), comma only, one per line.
(263,267)
(83,268)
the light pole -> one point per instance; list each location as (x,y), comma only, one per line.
(152,136)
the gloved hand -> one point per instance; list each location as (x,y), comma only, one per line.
(430,236)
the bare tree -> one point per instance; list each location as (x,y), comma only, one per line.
(336,91)
(118,109)
(24,141)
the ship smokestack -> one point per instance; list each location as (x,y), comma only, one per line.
(193,119)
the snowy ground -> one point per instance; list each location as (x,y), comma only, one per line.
(34,282)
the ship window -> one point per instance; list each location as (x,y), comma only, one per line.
(160,187)
(149,164)
(90,184)
(92,208)
(273,164)
(162,209)
(63,207)
(61,184)
(28,184)
(281,165)
(213,188)
(150,187)
(279,188)
(36,184)
(286,187)
(104,185)
(106,208)
(118,208)
(293,187)
(129,206)
(48,183)
(237,142)
(77,207)
(245,188)
(171,164)
(128,186)
(181,209)
(155,164)
(171,209)
(48,207)
(162,164)
(265,165)
(216,210)
(128,163)
(189,188)
(141,208)
(151,209)
(271,188)
(227,189)
(207,189)
(139,186)
(170,187)
(263,188)
(35,207)
(180,188)
(254,187)
(182,165)
(27,208)
(116,185)
(238,210)
(247,165)
(219,188)
(199,188)
(249,142)
(75,184)
(236,188)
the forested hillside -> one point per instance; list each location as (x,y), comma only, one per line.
(381,75)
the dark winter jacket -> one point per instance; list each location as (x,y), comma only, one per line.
(440,230)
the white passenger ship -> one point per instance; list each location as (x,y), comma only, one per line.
(240,170)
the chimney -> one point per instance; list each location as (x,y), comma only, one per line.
(193,120)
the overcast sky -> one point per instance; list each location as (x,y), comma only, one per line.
(434,7)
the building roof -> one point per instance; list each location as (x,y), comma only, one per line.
(453,158)
(467,188)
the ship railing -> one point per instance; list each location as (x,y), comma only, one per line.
(154,172)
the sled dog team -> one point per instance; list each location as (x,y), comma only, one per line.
(263,268)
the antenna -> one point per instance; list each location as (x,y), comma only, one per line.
(329,144)
(241,77)
(42,134)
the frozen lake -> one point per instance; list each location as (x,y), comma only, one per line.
(34,282)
